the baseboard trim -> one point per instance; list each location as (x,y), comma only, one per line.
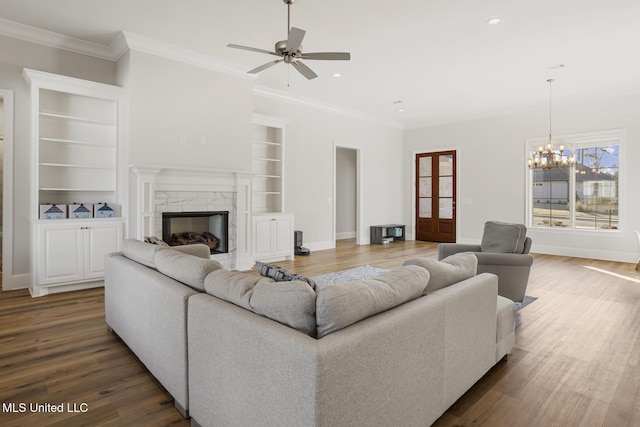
(346,235)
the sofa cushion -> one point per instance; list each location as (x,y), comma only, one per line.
(339,305)
(280,274)
(292,303)
(184,268)
(140,252)
(448,271)
(503,237)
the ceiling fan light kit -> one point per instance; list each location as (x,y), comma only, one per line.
(290,51)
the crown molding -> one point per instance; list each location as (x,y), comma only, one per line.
(59,41)
(125,41)
(165,50)
(313,103)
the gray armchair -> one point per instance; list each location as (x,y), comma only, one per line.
(504,251)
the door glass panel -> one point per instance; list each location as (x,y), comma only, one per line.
(425,166)
(425,187)
(446,209)
(425,207)
(446,165)
(446,186)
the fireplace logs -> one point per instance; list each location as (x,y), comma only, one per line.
(190,237)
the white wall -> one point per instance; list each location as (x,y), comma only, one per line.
(309,170)
(491,172)
(183,115)
(16,55)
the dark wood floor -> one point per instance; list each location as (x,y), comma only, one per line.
(576,360)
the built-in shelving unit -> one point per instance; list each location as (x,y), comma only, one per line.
(272,227)
(77,148)
(268,163)
(76,157)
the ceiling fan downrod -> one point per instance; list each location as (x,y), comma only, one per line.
(288,3)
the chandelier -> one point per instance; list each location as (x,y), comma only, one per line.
(549,156)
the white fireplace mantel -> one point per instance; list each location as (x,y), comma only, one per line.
(147,179)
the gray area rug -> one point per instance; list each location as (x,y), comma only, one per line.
(527,300)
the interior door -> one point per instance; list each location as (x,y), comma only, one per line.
(436,196)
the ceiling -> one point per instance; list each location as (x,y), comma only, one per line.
(439,61)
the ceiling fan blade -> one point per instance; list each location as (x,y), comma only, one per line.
(331,56)
(304,70)
(252,49)
(295,39)
(264,67)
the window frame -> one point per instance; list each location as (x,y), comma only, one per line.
(573,142)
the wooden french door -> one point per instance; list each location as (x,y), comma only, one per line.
(436,196)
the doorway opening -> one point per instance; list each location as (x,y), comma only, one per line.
(347,193)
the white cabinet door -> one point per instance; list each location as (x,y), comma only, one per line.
(73,252)
(282,243)
(60,254)
(100,240)
(262,236)
(273,237)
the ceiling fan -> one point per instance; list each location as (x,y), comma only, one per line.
(290,51)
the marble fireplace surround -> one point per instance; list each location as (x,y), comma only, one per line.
(155,189)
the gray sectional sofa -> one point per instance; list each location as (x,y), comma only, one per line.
(238,349)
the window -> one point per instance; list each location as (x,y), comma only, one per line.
(583,197)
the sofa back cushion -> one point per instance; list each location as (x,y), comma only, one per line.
(292,303)
(140,252)
(448,271)
(503,237)
(188,269)
(339,305)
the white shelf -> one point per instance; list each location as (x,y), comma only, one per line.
(264,159)
(109,145)
(62,165)
(268,176)
(259,141)
(77,118)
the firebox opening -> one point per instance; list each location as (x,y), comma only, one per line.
(186,228)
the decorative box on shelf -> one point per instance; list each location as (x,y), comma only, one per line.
(53,211)
(80,211)
(106,210)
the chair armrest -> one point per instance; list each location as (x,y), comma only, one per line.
(494,258)
(446,249)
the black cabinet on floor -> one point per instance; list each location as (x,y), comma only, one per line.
(382,234)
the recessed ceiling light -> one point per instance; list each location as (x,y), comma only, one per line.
(494,21)
(336,74)
(400,110)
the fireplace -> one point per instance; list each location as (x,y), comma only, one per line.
(210,228)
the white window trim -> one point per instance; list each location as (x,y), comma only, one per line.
(585,139)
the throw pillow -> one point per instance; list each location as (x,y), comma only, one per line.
(503,237)
(292,303)
(188,269)
(339,305)
(448,271)
(280,274)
